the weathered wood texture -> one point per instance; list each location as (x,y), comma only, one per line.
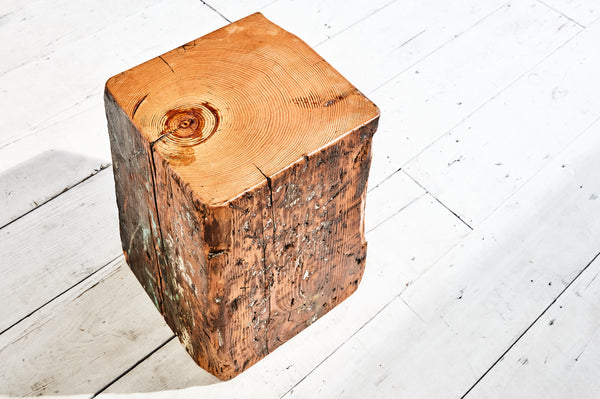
(241,162)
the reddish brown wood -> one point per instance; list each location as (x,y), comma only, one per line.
(241,162)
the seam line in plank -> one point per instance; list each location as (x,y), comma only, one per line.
(438,48)
(94,173)
(397,212)
(61,293)
(531,325)
(152,352)
(359,21)
(435,198)
(560,12)
(339,346)
(215,10)
(498,93)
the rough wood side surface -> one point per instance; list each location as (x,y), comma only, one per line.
(242,199)
(135,199)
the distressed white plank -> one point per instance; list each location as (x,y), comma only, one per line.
(389,198)
(234,10)
(78,343)
(368,357)
(436,94)
(8,7)
(582,11)
(151,376)
(484,160)
(398,36)
(390,268)
(476,301)
(559,357)
(48,250)
(36,100)
(315,21)
(37,30)
(40,178)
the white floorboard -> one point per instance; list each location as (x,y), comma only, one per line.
(433,97)
(397,37)
(67,347)
(54,30)
(481,162)
(559,357)
(234,10)
(37,180)
(316,21)
(54,247)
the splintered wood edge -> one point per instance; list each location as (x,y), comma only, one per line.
(336,110)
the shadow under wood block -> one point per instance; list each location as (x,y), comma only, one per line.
(241,162)
(39,179)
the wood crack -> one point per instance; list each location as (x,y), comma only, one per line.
(266,288)
(161,243)
(270,204)
(138,105)
(166,63)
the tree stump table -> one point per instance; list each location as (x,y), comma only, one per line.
(241,162)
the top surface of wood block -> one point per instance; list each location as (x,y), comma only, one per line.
(247,99)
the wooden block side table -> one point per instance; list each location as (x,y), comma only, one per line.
(241,162)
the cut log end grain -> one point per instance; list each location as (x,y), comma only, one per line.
(241,162)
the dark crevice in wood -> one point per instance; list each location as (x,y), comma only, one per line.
(166,63)
(336,194)
(162,136)
(161,288)
(270,204)
(214,254)
(138,105)
(266,288)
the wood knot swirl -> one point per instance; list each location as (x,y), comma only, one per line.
(189,125)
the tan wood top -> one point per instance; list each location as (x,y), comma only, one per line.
(247,99)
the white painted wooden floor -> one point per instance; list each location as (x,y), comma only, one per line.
(483,209)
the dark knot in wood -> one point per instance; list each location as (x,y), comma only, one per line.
(188,126)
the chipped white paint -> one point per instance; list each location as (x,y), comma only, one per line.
(186,340)
(219,338)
